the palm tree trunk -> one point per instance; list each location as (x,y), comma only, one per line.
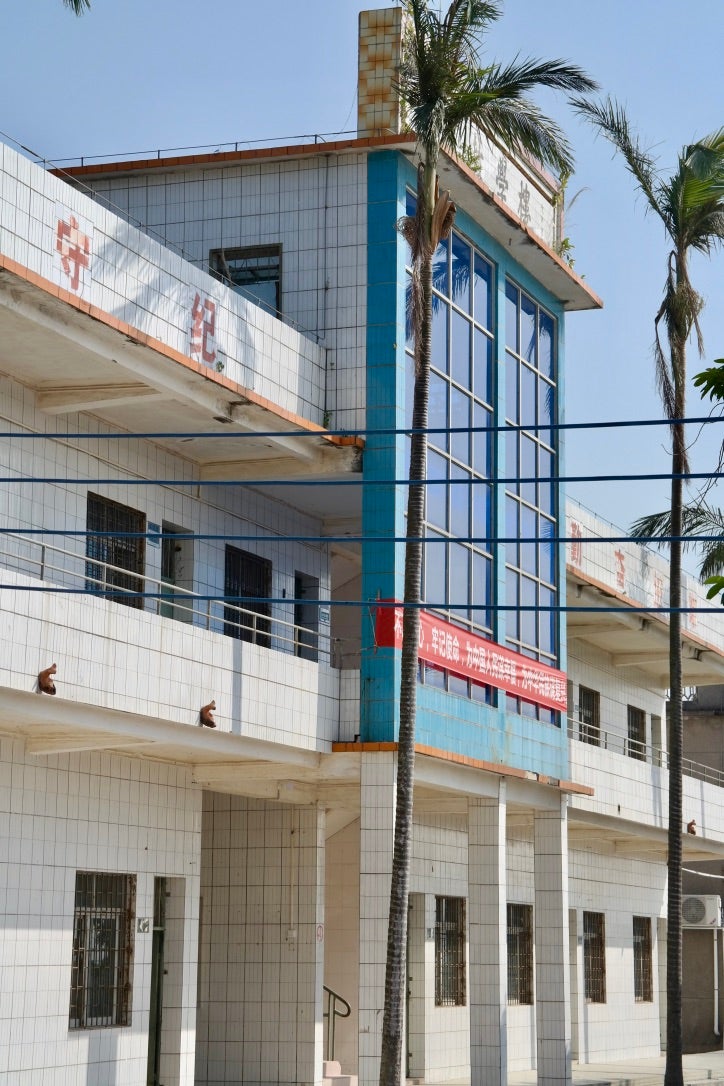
(396,970)
(674,1036)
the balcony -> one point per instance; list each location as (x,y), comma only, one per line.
(631,782)
(98,317)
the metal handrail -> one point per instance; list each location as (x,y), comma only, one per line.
(617,743)
(46,563)
(331,1014)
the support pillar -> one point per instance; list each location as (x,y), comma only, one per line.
(487,932)
(378,777)
(553,985)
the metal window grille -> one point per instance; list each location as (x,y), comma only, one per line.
(520,954)
(643,971)
(449,952)
(247,580)
(589,715)
(100,986)
(254,272)
(636,746)
(594,957)
(114,552)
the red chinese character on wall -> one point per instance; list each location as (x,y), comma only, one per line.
(203,329)
(576,549)
(658,590)
(693,601)
(620,569)
(74,248)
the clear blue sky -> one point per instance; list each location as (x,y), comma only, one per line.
(144,74)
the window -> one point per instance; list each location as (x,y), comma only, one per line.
(589,718)
(594,957)
(458,556)
(449,952)
(108,555)
(247,581)
(254,272)
(643,972)
(531,504)
(636,745)
(520,954)
(306,617)
(100,986)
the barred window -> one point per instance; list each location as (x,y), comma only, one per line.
(520,954)
(643,972)
(449,952)
(594,957)
(100,986)
(107,556)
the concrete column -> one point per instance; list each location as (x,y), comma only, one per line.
(378,776)
(553,1011)
(487,934)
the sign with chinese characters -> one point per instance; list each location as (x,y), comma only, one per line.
(202,336)
(73,250)
(476,658)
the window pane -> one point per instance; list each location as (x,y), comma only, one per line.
(482,292)
(511,531)
(440,276)
(461,254)
(528,619)
(438,348)
(436,511)
(460,349)
(482,366)
(528,530)
(460,416)
(527,329)
(528,468)
(547,640)
(482,440)
(511,316)
(527,396)
(481,516)
(512,411)
(512,467)
(481,591)
(459,503)
(459,579)
(545,345)
(437,411)
(435,567)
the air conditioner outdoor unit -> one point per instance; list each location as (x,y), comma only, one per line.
(701,911)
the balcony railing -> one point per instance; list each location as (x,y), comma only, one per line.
(618,743)
(71,569)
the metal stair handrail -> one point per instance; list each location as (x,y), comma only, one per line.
(331,1014)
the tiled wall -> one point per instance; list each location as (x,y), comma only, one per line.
(618,688)
(144,284)
(88,812)
(621,888)
(261,943)
(316,209)
(184,666)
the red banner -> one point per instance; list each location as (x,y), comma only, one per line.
(473,657)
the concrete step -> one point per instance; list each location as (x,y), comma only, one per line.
(332,1075)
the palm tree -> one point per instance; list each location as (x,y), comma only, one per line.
(690,205)
(77,6)
(445,92)
(702,527)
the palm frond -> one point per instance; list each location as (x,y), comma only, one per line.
(77,6)
(519,125)
(700,519)
(612,122)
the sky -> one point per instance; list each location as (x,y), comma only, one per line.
(134,75)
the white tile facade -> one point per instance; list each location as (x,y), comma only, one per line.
(90,812)
(315,208)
